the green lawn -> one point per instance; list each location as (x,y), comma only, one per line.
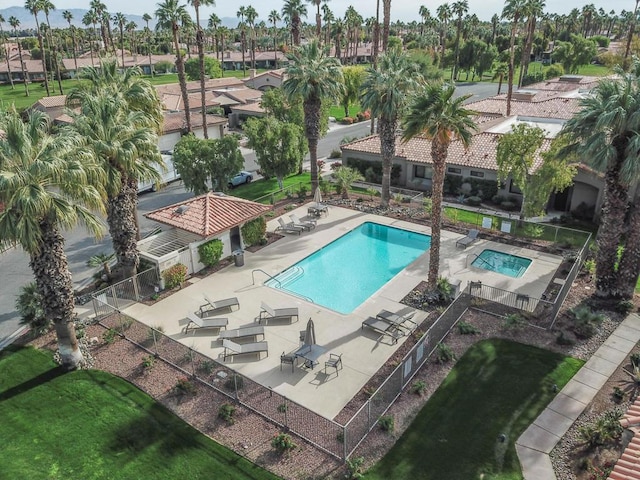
(497,387)
(337,111)
(260,190)
(92,425)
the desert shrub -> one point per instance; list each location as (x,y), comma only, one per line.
(589,266)
(29,306)
(532,230)
(226,412)
(427,204)
(586,321)
(419,387)
(444,354)
(354,468)
(606,429)
(148,362)
(445,290)
(618,394)
(335,153)
(452,184)
(283,443)
(254,230)
(564,338)
(282,408)
(325,187)
(465,328)
(387,423)
(175,275)
(206,367)
(234,381)
(514,321)
(302,191)
(347,120)
(335,166)
(624,307)
(635,359)
(601,40)
(474,201)
(184,386)
(110,336)
(375,172)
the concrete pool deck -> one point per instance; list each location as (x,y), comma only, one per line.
(363,352)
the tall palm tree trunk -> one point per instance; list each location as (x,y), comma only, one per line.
(387,130)
(182,79)
(512,54)
(613,214)
(312,107)
(439,156)
(42,56)
(6,56)
(123,227)
(25,74)
(386,20)
(54,284)
(200,45)
(629,268)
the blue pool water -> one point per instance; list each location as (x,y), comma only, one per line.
(510,265)
(346,272)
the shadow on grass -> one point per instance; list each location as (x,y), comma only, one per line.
(33,382)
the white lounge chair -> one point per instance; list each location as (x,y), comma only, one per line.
(212,306)
(243,332)
(268,313)
(196,322)
(471,237)
(306,224)
(288,227)
(233,348)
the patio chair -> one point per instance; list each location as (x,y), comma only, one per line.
(211,307)
(334,361)
(196,322)
(383,327)
(287,360)
(306,224)
(471,237)
(268,313)
(398,319)
(317,210)
(288,227)
(232,348)
(243,332)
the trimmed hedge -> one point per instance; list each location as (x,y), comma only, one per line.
(210,252)
(254,231)
(372,171)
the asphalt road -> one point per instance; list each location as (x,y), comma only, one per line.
(14,264)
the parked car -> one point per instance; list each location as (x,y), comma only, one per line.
(169,175)
(240,178)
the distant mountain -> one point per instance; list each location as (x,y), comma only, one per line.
(57,21)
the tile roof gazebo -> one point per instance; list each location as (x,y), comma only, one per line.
(194,222)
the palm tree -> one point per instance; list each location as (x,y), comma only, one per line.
(313,76)
(344,177)
(131,28)
(119,20)
(146,18)
(318,18)
(386,21)
(214,23)
(293,11)
(274,17)
(15,23)
(171,15)
(424,15)
(47,185)
(501,70)
(604,134)
(6,52)
(328,18)
(46,6)
(243,34)
(33,6)
(100,9)
(512,11)
(444,15)
(251,16)
(68,16)
(532,9)
(385,92)
(458,8)
(632,27)
(196,4)
(439,117)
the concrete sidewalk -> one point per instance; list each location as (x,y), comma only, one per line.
(537,441)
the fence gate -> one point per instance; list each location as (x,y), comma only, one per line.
(125,293)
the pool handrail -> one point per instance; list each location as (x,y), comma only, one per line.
(304,297)
(491,267)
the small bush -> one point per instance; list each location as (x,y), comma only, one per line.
(148,362)
(586,321)
(387,423)
(635,360)
(210,252)
(618,394)
(498,199)
(282,408)
(533,231)
(321,164)
(184,386)
(474,201)
(283,443)
(354,468)
(335,153)
(514,321)
(226,413)
(445,290)
(175,276)
(444,354)
(347,120)
(206,367)
(554,71)
(335,166)
(302,192)
(564,338)
(509,206)
(254,231)
(234,381)
(465,328)
(606,429)
(110,336)
(624,307)
(419,387)
(29,305)
(589,266)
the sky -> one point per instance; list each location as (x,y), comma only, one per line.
(405,10)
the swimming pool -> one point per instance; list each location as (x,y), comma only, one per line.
(499,262)
(346,272)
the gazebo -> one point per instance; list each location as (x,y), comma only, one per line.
(194,222)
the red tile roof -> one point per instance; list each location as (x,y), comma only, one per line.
(556,107)
(209,214)
(628,465)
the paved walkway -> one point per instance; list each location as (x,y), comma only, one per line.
(535,444)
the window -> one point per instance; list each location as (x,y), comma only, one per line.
(422,171)
(455,170)
(477,174)
(513,188)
